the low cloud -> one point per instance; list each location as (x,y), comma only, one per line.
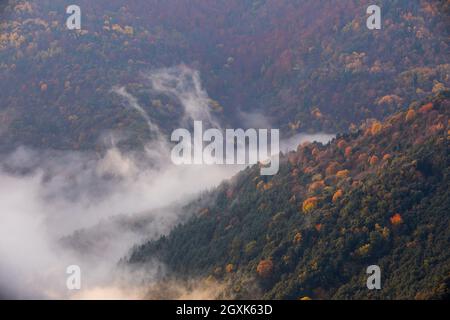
(46,198)
(61,208)
(292,142)
(183,84)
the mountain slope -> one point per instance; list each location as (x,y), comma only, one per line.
(379,195)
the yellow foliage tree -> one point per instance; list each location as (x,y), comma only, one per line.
(342,174)
(229,268)
(363,250)
(376,128)
(310,204)
(298,238)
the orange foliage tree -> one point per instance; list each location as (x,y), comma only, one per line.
(343,174)
(316,186)
(396,219)
(310,204)
(426,107)
(298,238)
(376,128)
(265,268)
(337,195)
(410,115)
(373,160)
(348,152)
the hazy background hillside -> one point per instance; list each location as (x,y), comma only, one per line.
(298,65)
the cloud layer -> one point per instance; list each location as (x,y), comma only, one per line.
(64,208)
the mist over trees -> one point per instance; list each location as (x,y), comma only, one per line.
(85,115)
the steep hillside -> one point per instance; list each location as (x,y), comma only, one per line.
(304,65)
(379,195)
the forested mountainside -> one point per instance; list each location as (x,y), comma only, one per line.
(379,195)
(304,65)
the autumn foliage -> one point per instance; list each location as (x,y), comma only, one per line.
(348,152)
(265,268)
(342,173)
(310,204)
(376,128)
(410,115)
(426,108)
(396,219)
(373,160)
(351,221)
(317,185)
(337,195)
(298,238)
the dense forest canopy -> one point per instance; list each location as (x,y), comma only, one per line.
(377,194)
(303,65)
